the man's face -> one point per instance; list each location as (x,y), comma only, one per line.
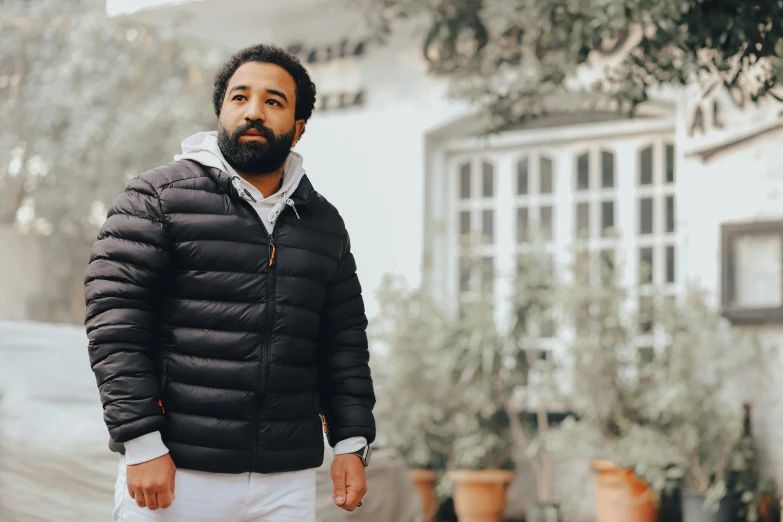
(257,126)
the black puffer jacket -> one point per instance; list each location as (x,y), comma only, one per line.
(228,342)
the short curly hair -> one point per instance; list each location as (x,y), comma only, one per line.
(267,53)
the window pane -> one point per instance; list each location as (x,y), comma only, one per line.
(607,217)
(522,177)
(547,177)
(669,264)
(607,169)
(464,223)
(488,177)
(645,313)
(487,226)
(669,163)
(522,225)
(670,214)
(645,216)
(582,173)
(546,223)
(464,181)
(646,167)
(582,219)
(487,274)
(758,272)
(464,274)
(645,265)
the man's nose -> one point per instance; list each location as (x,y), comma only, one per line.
(254,111)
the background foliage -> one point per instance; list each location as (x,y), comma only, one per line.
(510,56)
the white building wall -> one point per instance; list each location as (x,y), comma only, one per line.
(369,162)
(742,184)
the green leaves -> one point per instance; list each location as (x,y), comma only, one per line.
(86,104)
(509,56)
(98,100)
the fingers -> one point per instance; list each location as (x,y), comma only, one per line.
(165,499)
(151,484)
(138,496)
(350,484)
(338,478)
(153,498)
(353,497)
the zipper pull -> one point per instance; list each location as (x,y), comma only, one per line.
(272,251)
(243,192)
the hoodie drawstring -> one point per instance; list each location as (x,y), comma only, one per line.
(274,214)
(243,192)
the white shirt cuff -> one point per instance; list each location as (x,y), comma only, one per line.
(144,448)
(349,445)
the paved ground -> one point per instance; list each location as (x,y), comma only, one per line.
(54,460)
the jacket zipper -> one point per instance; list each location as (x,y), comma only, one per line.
(271,289)
(257,403)
(163,382)
(271,283)
(321,418)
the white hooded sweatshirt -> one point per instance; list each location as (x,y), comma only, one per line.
(203,148)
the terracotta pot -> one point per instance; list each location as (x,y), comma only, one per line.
(424,480)
(480,496)
(621,496)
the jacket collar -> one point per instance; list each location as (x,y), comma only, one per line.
(301,196)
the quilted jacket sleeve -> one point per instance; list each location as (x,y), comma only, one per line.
(124,288)
(346,385)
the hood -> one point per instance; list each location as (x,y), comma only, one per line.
(203,148)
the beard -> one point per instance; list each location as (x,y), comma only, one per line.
(253,157)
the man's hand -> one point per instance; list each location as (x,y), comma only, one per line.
(151,483)
(350,482)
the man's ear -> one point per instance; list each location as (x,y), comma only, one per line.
(300,128)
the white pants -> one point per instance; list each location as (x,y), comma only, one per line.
(218,497)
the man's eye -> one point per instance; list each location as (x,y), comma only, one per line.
(237,97)
(275,102)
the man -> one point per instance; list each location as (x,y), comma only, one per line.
(225,320)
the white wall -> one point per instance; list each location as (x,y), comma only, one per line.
(743,184)
(369,162)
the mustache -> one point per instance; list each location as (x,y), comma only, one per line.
(263,131)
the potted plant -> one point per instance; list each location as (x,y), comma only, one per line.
(535,309)
(410,324)
(475,385)
(486,372)
(444,395)
(645,412)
